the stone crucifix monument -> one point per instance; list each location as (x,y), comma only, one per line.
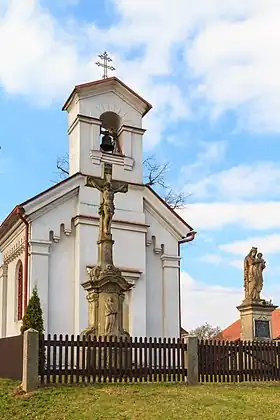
(255,312)
(105,286)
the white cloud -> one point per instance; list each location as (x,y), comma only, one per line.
(42,58)
(202,303)
(258,181)
(214,304)
(269,244)
(218,215)
(236,64)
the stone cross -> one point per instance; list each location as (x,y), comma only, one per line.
(108,189)
(105,286)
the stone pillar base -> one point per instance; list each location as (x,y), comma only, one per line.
(255,317)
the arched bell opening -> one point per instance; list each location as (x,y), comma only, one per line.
(111,123)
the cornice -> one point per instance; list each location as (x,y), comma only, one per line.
(16,230)
(59,194)
(14,252)
(98,157)
(57,201)
(164,223)
(130,274)
(131,129)
(39,247)
(86,119)
(117,224)
(170,261)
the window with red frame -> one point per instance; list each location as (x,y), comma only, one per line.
(19,291)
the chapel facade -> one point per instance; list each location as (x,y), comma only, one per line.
(49,241)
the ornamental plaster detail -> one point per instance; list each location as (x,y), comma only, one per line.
(14,251)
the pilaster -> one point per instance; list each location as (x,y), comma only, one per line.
(3,299)
(39,274)
(170,295)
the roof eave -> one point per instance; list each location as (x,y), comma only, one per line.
(169,208)
(76,89)
(10,220)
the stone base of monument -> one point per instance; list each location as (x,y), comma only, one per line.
(255,318)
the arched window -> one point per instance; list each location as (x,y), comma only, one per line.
(19,280)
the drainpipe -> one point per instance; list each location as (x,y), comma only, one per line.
(189,237)
(20,213)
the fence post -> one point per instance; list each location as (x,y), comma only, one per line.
(192,360)
(30,360)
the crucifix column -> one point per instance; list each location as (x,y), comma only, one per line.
(105,285)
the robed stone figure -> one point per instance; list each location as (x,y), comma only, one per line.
(254,265)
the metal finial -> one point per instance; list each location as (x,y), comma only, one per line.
(106,59)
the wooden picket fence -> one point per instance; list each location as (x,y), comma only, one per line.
(79,359)
(75,359)
(224,361)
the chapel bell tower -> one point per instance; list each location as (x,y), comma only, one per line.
(105,125)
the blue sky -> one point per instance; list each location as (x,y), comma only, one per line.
(211,71)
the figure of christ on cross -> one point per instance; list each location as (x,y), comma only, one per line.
(108,189)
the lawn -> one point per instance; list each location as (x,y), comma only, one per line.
(143,401)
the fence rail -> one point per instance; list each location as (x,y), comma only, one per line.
(80,359)
(224,361)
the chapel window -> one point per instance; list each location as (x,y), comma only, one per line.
(109,132)
(19,280)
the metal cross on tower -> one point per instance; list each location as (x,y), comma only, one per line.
(106,59)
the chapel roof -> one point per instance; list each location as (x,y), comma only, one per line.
(14,216)
(232,332)
(108,80)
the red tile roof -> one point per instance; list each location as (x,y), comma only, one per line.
(232,332)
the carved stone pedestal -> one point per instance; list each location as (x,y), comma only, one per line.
(255,317)
(105,294)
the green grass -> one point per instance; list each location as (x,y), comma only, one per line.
(143,401)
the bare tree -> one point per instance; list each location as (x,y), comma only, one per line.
(154,175)
(206,332)
(62,166)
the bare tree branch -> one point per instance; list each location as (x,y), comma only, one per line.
(175,200)
(206,332)
(155,172)
(155,175)
(62,165)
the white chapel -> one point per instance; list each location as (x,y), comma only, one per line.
(49,241)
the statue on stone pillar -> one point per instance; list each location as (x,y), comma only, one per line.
(108,189)
(254,264)
(105,281)
(111,313)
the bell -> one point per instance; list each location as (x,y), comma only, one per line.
(107,143)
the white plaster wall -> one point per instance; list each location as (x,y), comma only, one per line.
(58,213)
(162,282)
(85,136)
(129,253)
(128,207)
(96,105)
(61,286)
(154,294)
